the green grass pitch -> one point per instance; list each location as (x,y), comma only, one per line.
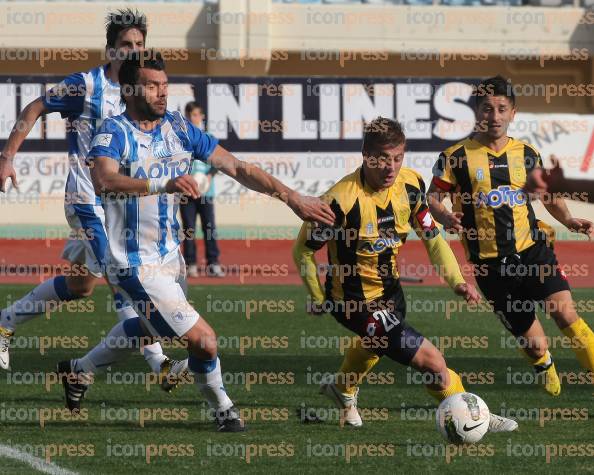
(399,435)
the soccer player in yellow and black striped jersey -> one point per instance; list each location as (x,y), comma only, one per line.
(485,176)
(375,207)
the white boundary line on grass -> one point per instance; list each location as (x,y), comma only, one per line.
(35,462)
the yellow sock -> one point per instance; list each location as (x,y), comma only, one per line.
(357,362)
(582,342)
(455,387)
(545,366)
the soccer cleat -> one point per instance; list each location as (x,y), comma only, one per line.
(172,372)
(192,270)
(75,384)
(349,414)
(552,384)
(501,424)
(229,421)
(5,337)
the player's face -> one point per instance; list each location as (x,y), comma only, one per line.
(196,117)
(151,103)
(383,167)
(128,40)
(493,115)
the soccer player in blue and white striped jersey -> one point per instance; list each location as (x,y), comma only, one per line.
(141,167)
(84,100)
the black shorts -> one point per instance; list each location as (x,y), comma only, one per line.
(517,285)
(381,326)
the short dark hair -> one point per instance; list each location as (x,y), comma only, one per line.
(121,20)
(190,106)
(135,61)
(379,133)
(495,86)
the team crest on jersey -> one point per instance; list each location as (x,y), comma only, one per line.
(480,175)
(369,228)
(101,140)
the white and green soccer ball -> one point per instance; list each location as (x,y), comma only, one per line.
(463,418)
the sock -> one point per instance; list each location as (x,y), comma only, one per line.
(455,387)
(357,362)
(121,341)
(35,303)
(582,342)
(543,363)
(210,382)
(544,367)
(153,353)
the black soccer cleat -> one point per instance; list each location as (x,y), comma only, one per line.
(229,421)
(75,384)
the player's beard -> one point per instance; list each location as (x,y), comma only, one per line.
(148,112)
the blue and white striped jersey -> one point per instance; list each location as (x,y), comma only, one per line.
(85,100)
(142,230)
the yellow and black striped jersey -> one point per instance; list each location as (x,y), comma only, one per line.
(370,227)
(487,187)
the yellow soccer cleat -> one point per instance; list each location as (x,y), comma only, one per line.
(552,384)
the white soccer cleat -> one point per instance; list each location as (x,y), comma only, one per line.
(5,336)
(349,414)
(501,424)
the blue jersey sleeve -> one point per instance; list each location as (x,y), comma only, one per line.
(203,144)
(109,141)
(68,97)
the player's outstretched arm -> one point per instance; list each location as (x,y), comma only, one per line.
(304,258)
(19,132)
(553,180)
(107,179)
(557,206)
(442,257)
(308,208)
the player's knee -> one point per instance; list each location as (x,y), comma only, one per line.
(81,287)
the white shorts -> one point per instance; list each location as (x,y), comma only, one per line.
(157,292)
(87,243)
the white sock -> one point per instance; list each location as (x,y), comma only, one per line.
(35,303)
(153,354)
(210,382)
(115,347)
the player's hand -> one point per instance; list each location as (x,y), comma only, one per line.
(310,208)
(452,222)
(183,184)
(546,180)
(468,292)
(579,225)
(7,171)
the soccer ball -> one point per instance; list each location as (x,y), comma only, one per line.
(463,418)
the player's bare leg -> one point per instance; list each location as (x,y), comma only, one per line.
(561,307)
(445,382)
(533,344)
